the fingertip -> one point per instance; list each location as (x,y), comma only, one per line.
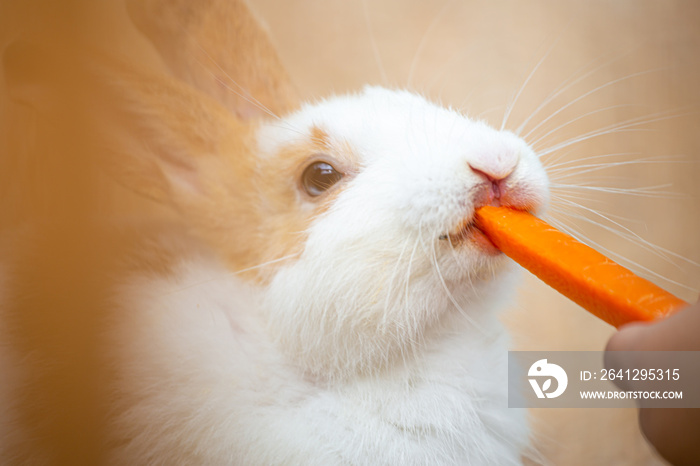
(627,338)
(618,350)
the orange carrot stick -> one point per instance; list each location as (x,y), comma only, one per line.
(602,287)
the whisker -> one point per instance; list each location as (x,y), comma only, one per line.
(622,260)
(644,192)
(295,130)
(621,218)
(555,158)
(567,84)
(615,128)
(265,264)
(628,234)
(244,94)
(550,163)
(570,122)
(579,197)
(586,94)
(449,293)
(568,172)
(591,135)
(511,105)
(480,116)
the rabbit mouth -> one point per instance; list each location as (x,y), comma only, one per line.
(468,232)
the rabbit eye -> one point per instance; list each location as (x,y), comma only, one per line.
(319,177)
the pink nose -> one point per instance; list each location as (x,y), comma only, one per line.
(495,168)
(496,183)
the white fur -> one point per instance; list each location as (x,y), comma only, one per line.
(379,344)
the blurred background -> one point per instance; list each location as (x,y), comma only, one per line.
(606,91)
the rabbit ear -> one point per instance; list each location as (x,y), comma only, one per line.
(166,139)
(220,48)
(159,136)
(171,141)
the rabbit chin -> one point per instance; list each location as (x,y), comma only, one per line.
(360,312)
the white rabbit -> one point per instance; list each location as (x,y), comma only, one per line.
(331,301)
(373,341)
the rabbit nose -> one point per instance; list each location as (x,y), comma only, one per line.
(496,178)
(494,193)
(495,168)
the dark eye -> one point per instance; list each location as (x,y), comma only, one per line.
(318,177)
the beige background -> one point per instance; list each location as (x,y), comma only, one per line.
(475,55)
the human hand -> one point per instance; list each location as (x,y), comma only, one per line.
(674,432)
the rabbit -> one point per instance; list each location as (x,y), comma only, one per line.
(372,340)
(326,297)
(343,308)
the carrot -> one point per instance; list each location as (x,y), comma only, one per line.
(602,287)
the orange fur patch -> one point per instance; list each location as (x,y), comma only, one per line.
(257,215)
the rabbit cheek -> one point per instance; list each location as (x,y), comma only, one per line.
(285,213)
